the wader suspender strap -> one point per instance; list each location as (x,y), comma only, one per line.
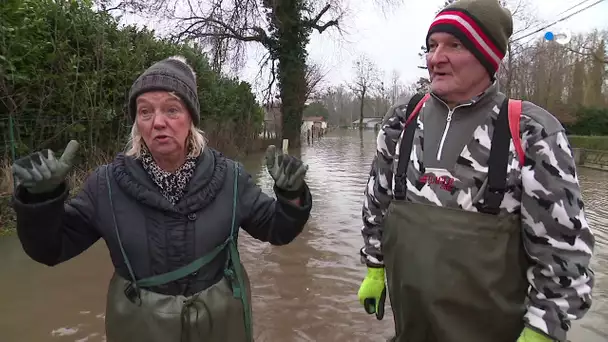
(507,126)
(497,163)
(179,273)
(413,108)
(236,272)
(238,284)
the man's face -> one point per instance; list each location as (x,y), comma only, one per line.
(454,71)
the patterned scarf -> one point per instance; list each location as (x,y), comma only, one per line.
(171,184)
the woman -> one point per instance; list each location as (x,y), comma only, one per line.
(169,210)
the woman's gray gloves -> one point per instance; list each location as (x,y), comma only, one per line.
(40,172)
(287,171)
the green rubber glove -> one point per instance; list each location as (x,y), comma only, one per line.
(372,292)
(529,335)
(40,172)
(287,171)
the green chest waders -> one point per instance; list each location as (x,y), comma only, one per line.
(454,275)
(219,313)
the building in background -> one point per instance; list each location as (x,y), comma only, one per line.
(368,123)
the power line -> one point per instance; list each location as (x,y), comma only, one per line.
(560,13)
(571,7)
(559,20)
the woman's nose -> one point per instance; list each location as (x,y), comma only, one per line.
(159,120)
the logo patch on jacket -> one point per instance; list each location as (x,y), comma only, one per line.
(437,176)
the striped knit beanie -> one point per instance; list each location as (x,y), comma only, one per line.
(483,26)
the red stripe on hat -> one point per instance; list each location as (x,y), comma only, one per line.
(473,32)
(477,29)
(475,42)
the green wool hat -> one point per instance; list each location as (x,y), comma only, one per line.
(483,26)
(172,74)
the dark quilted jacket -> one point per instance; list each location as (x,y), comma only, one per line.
(158,237)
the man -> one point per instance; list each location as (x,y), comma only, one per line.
(479,243)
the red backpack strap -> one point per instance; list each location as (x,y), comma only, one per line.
(514,118)
(417,108)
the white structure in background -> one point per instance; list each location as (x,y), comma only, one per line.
(272,120)
(308,122)
(368,123)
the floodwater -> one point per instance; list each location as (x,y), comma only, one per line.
(306,291)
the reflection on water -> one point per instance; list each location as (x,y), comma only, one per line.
(306,291)
(594,327)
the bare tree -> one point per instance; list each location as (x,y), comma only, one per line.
(396,86)
(342,104)
(367,78)
(314,76)
(339,103)
(589,52)
(524,19)
(562,78)
(281,27)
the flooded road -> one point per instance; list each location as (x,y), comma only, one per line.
(306,291)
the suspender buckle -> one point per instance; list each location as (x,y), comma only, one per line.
(132,293)
(400,187)
(492,200)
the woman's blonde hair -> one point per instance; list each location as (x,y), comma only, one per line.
(196,139)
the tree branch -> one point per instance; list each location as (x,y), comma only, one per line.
(314,22)
(267,92)
(313,76)
(225,31)
(591,53)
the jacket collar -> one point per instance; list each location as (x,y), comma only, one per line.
(486,96)
(204,185)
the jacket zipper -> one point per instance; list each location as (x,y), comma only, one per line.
(447,126)
(445,133)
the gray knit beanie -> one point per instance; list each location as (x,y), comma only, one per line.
(483,26)
(171,74)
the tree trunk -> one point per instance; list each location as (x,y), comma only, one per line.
(509,71)
(291,55)
(361,110)
(292,78)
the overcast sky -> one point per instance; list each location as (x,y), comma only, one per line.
(392,39)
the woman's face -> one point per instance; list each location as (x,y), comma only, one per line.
(164,123)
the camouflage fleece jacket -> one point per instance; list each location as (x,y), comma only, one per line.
(545,192)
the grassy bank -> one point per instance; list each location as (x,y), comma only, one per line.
(80,172)
(589,142)
(7,216)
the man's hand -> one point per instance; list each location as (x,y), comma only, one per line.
(287,171)
(372,292)
(40,172)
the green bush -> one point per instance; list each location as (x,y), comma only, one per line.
(589,142)
(65,72)
(590,121)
